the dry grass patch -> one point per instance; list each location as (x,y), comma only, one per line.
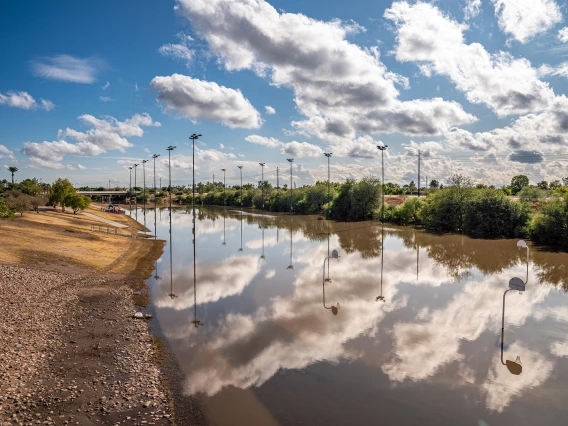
(57,241)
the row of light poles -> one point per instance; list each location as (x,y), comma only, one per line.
(194,137)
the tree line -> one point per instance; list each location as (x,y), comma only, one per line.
(30,195)
(458,207)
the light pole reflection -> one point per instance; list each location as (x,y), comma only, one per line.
(241,249)
(195,321)
(334,309)
(291,266)
(381,297)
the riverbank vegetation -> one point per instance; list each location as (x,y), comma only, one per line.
(517,210)
(30,194)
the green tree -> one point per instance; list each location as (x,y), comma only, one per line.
(77,202)
(37,201)
(434,183)
(490,214)
(30,187)
(60,190)
(550,226)
(5,211)
(531,193)
(18,201)
(12,170)
(555,184)
(543,185)
(518,183)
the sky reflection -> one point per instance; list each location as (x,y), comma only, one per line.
(438,326)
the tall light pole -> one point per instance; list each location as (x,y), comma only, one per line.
(328,155)
(135,196)
(144,192)
(383,148)
(241,168)
(262,182)
(155,192)
(193,137)
(291,160)
(170,149)
(224,189)
(130,192)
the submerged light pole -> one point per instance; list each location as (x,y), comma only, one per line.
(383,148)
(144,192)
(135,192)
(170,149)
(224,188)
(291,160)
(328,155)
(241,168)
(155,194)
(262,182)
(193,137)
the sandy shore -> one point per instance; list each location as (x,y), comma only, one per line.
(70,350)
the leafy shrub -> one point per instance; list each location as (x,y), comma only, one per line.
(550,226)
(490,214)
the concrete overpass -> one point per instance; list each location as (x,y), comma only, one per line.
(108,196)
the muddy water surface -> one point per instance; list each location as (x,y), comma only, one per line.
(405,328)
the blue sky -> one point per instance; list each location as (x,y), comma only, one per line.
(478,86)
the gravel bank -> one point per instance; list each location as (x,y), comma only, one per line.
(71,353)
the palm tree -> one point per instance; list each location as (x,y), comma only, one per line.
(13,170)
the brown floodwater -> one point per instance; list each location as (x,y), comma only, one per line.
(404,329)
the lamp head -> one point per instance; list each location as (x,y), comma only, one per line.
(291,160)
(514,367)
(517,284)
(334,254)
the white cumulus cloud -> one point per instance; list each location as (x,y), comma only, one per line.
(197,99)
(269,109)
(472,8)
(106,133)
(333,80)
(505,84)
(524,19)
(25,101)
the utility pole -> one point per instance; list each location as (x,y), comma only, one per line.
(277,184)
(213,178)
(224,190)
(262,182)
(160,183)
(328,154)
(419,153)
(144,193)
(383,149)
(109,184)
(241,168)
(291,160)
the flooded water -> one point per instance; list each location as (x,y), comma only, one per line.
(404,329)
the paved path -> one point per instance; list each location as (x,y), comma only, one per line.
(107,221)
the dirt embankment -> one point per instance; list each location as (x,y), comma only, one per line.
(70,351)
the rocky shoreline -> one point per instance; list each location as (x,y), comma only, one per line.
(72,353)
